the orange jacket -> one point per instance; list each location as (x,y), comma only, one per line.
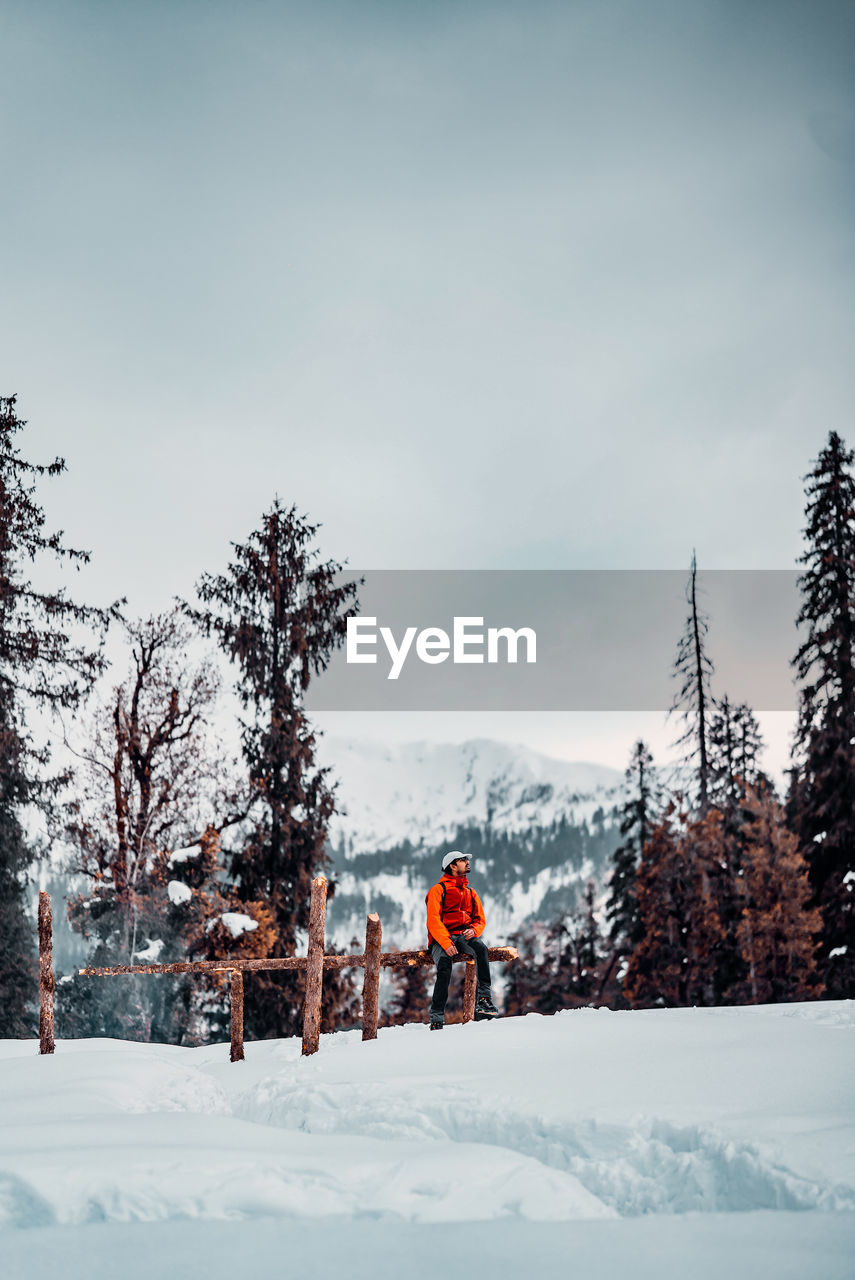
(452,905)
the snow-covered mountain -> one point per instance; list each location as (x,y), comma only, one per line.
(423,792)
(537,828)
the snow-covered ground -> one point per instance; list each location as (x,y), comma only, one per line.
(673,1143)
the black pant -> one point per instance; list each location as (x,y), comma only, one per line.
(471,947)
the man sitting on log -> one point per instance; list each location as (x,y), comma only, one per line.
(455,922)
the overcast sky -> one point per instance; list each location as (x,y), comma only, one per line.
(476,285)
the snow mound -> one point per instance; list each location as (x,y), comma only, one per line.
(178,892)
(237,922)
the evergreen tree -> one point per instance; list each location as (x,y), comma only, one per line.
(776,927)
(638,815)
(571,973)
(522,990)
(279,614)
(821,807)
(42,663)
(693,700)
(18,971)
(735,747)
(192,907)
(562,965)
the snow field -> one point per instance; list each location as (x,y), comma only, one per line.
(585,1123)
(746,1246)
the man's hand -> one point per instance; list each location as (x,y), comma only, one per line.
(468,933)
(451,951)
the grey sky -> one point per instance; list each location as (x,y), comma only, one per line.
(475,285)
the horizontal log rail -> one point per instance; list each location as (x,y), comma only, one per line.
(388,960)
(372,960)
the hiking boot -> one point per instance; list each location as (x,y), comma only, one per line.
(484,1008)
(436,1024)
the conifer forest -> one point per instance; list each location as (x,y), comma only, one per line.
(168,845)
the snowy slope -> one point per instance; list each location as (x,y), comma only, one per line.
(548,1139)
(422,792)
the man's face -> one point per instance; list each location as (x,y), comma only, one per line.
(460,867)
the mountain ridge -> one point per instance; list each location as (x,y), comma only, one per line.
(422,792)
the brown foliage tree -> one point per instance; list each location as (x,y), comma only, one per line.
(146,780)
(674,962)
(777,930)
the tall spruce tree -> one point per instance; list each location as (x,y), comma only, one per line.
(735,745)
(821,802)
(279,614)
(640,813)
(44,661)
(693,702)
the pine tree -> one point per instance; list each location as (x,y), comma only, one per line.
(777,926)
(639,813)
(211,924)
(18,974)
(279,614)
(735,747)
(522,990)
(41,664)
(571,974)
(821,804)
(693,700)
(563,965)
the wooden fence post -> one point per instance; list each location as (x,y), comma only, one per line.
(46,982)
(469,991)
(371,977)
(314,966)
(236,1014)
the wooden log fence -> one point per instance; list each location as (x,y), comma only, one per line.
(315,962)
(46,982)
